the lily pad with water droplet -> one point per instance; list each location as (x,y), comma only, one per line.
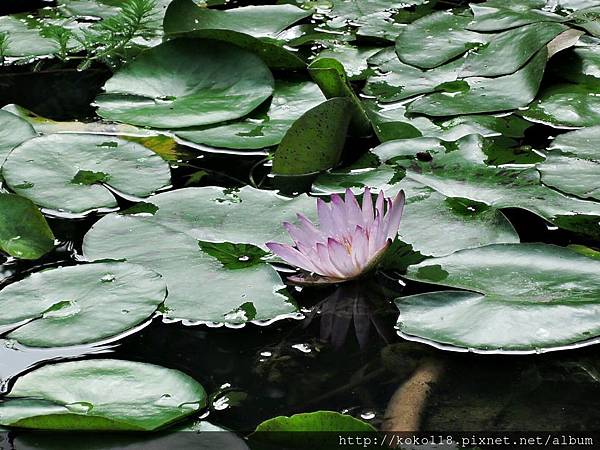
(101,394)
(24,232)
(74,173)
(79,304)
(263,128)
(494,15)
(524,298)
(201,287)
(186,82)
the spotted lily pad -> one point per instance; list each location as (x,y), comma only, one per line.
(79,304)
(186,82)
(262,128)
(524,297)
(24,232)
(202,287)
(75,173)
(101,394)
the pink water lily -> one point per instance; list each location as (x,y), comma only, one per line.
(349,241)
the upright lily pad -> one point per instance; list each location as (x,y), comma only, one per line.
(80,304)
(315,141)
(101,394)
(566,106)
(572,163)
(478,95)
(461,171)
(24,233)
(526,297)
(354,59)
(13,131)
(201,287)
(314,422)
(186,82)
(257,21)
(494,15)
(262,128)
(75,173)
(437,38)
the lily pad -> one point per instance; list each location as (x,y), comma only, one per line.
(315,141)
(495,15)
(461,170)
(566,106)
(24,232)
(580,65)
(394,80)
(432,224)
(257,21)
(24,39)
(74,173)
(174,85)
(478,94)
(201,287)
(526,298)
(262,128)
(437,38)
(354,59)
(507,52)
(13,131)
(572,163)
(101,394)
(80,304)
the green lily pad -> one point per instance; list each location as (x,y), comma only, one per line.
(461,170)
(315,141)
(510,50)
(24,232)
(354,59)
(566,106)
(478,95)
(437,38)
(262,128)
(74,173)
(80,304)
(526,298)
(394,80)
(581,65)
(495,15)
(101,394)
(572,163)
(314,422)
(173,85)
(24,39)
(13,131)
(203,288)
(432,224)
(257,21)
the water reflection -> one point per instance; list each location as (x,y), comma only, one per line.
(362,306)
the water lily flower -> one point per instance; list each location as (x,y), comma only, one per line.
(349,241)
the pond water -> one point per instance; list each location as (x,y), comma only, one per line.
(345,355)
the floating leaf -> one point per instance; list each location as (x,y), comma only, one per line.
(527,297)
(200,287)
(354,59)
(174,85)
(13,131)
(257,21)
(315,141)
(24,233)
(80,304)
(261,129)
(487,94)
(101,394)
(437,38)
(566,106)
(24,39)
(494,15)
(461,170)
(75,173)
(572,163)
(234,256)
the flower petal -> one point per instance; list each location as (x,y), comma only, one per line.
(331,270)
(353,212)
(291,255)
(340,258)
(367,207)
(360,248)
(325,217)
(394,215)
